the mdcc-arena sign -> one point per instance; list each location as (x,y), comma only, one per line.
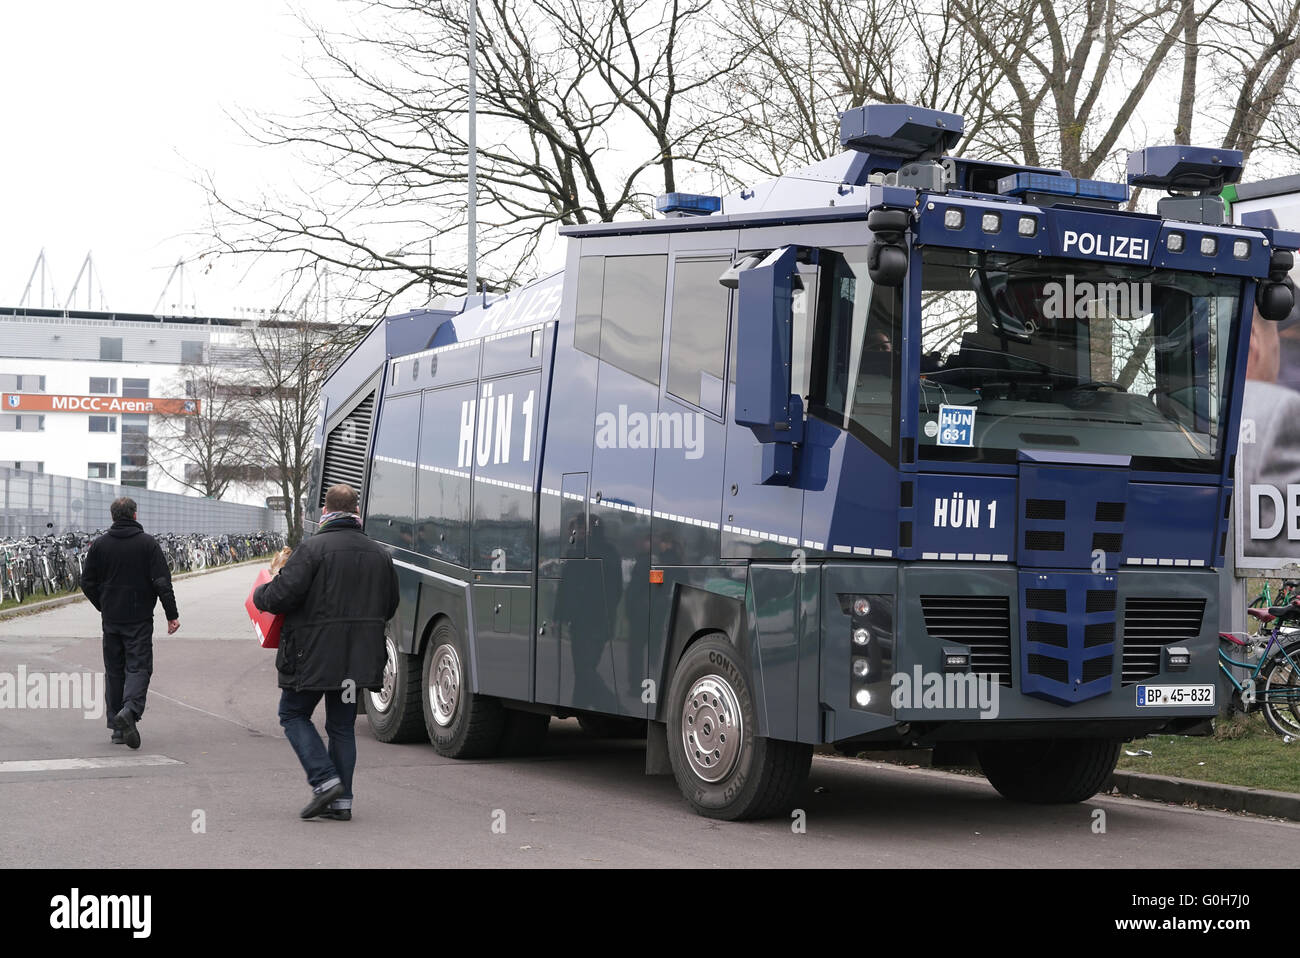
(32,402)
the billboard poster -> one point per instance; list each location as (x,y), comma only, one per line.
(1267,496)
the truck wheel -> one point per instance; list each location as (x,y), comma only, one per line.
(394,709)
(722,767)
(460,723)
(611,726)
(1048,771)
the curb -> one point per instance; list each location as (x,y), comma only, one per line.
(1234,798)
(1159,788)
(48,604)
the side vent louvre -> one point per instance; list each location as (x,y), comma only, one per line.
(1109,512)
(1044,508)
(1039,541)
(346,448)
(1107,541)
(982,622)
(1045,600)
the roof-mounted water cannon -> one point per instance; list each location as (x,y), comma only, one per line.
(1193,175)
(916,136)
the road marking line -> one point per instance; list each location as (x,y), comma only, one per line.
(195,708)
(68,764)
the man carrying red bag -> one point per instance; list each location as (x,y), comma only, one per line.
(336,591)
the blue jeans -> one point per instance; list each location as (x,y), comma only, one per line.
(321,766)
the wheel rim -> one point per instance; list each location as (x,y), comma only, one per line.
(712,728)
(1282,696)
(444,684)
(382,700)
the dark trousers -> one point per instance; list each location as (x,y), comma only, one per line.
(128,664)
(340,760)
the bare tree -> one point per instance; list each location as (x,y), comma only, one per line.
(286,363)
(1254,48)
(207,451)
(812,61)
(583,115)
(1076,73)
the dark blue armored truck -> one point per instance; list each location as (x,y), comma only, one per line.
(900,450)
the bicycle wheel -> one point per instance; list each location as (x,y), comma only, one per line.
(1281,698)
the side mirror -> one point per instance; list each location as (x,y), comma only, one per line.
(764,317)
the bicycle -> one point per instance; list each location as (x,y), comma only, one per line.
(1279,662)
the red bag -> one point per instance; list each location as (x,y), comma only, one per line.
(265,625)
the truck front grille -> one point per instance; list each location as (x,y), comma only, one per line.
(982,622)
(1150,625)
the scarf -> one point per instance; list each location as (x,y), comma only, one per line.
(333,519)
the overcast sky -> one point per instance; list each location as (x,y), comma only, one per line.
(113,113)
(110,113)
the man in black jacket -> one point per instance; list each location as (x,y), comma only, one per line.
(124,577)
(336,592)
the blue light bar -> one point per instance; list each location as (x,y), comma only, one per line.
(1017,184)
(687,204)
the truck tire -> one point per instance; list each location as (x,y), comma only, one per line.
(724,769)
(393,711)
(612,726)
(1048,771)
(460,724)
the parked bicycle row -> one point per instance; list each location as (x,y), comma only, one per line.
(1263,663)
(52,565)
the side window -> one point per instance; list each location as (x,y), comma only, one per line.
(627,332)
(697,340)
(390,503)
(591,282)
(443,486)
(855,375)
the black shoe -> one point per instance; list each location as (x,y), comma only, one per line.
(337,814)
(118,738)
(320,802)
(124,722)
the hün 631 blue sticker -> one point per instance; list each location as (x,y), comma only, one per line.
(956,425)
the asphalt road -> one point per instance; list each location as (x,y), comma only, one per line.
(213,754)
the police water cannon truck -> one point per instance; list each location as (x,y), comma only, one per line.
(899,450)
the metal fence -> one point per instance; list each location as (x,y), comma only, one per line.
(36,504)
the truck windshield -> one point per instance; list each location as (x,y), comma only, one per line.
(1022,352)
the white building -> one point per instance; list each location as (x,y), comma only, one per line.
(74,385)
